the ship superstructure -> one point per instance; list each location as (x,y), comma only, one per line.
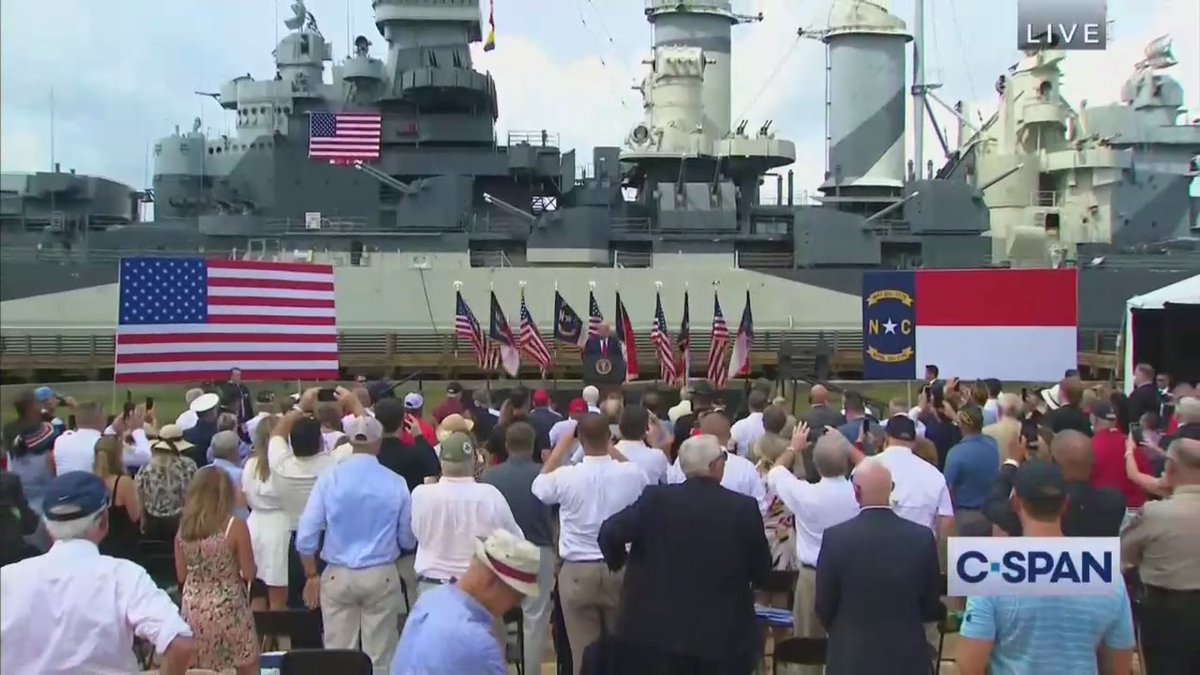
(684,199)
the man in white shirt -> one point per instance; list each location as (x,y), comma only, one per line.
(265,406)
(76,450)
(740,474)
(187,418)
(587,494)
(816,506)
(591,396)
(566,428)
(635,426)
(746,432)
(73,610)
(450,515)
(920,493)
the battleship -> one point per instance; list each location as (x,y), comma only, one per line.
(691,200)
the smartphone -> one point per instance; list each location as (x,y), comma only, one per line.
(1135,432)
(61,401)
(326,395)
(1029,434)
(129,396)
(127,409)
(149,403)
(72,424)
(1024,393)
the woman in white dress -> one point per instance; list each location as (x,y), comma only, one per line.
(269,525)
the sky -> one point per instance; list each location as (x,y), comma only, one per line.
(119,75)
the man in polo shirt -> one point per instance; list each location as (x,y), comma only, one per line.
(920,493)
(453,405)
(972,467)
(1108,448)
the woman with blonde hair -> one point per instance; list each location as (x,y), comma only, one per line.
(162,483)
(215,562)
(268,524)
(778,523)
(124,512)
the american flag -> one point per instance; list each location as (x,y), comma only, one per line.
(684,341)
(192,320)
(595,318)
(661,338)
(344,138)
(532,344)
(718,351)
(467,328)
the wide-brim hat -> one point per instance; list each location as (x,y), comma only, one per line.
(1052,397)
(173,433)
(515,561)
(453,423)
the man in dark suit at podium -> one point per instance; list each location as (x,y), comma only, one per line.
(601,348)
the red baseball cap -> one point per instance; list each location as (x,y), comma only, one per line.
(541,397)
(577,407)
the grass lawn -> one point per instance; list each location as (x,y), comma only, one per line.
(168,400)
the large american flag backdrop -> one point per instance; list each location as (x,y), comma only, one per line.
(344,138)
(192,320)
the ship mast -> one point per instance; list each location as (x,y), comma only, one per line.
(918,90)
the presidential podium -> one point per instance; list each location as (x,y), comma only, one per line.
(604,372)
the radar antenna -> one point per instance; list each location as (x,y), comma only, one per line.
(362,46)
(1158,54)
(302,19)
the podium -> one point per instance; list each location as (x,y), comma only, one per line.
(603,372)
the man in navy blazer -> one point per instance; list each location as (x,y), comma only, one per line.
(605,346)
(878,584)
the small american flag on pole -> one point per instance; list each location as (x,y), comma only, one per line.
(532,344)
(344,138)
(595,317)
(718,351)
(467,328)
(661,338)
(191,320)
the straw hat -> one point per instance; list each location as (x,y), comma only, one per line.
(454,423)
(515,561)
(172,433)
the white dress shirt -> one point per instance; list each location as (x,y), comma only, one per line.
(652,461)
(817,507)
(920,493)
(292,478)
(746,432)
(740,476)
(72,610)
(447,518)
(137,455)
(566,428)
(252,423)
(587,494)
(76,450)
(186,420)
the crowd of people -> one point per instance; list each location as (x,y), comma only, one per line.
(633,536)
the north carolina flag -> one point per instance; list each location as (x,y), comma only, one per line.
(502,335)
(739,363)
(1017,325)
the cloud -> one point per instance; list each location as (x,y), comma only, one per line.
(124,73)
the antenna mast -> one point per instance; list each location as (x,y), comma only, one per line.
(918,90)
(52,157)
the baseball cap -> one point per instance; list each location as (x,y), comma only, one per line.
(363,430)
(578,407)
(458,448)
(413,400)
(1039,480)
(514,560)
(541,397)
(44,394)
(902,428)
(73,495)
(454,388)
(970,417)
(204,403)
(1103,410)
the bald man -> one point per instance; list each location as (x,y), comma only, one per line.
(820,414)
(740,474)
(1090,512)
(1163,542)
(861,602)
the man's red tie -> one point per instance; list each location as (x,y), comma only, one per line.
(604,347)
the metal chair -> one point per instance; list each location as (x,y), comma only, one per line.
(516,616)
(799,651)
(324,661)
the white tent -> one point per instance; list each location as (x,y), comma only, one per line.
(1185,292)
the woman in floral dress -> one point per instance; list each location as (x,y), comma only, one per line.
(779,523)
(215,564)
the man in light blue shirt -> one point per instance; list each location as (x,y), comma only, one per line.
(1012,635)
(450,629)
(224,449)
(364,511)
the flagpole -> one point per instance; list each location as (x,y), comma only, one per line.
(491,288)
(554,335)
(749,364)
(454,337)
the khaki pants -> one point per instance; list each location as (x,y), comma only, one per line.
(589,594)
(804,614)
(363,605)
(537,613)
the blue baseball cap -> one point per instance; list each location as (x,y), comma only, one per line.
(44,394)
(73,495)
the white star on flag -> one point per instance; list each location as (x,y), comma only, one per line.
(889,326)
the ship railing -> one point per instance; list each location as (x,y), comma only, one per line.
(540,138)
(631,225)
(63,256)
(490,223)
(1047,199)
(632,259)
(763,259)
(489,259)
(771,224)
(890,227)
(314,225)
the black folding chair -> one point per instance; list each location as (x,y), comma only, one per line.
(302,628)
(782,582)
(325,661)
(799,651)
(517,617)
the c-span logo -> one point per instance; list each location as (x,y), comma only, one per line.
(1033,566)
